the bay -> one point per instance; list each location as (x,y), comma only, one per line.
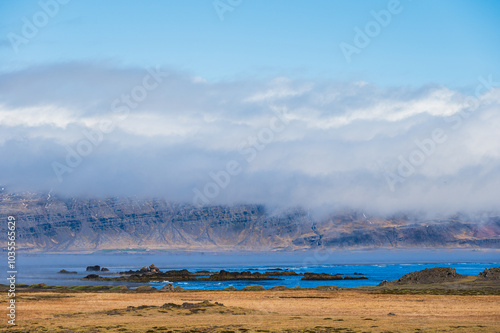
(376,265)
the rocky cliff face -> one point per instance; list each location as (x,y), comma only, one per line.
(46,223)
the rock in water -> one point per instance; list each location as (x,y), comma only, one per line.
(246,275)
(91,277)
(320,276)
(63,271)
(95,268)
(355,278)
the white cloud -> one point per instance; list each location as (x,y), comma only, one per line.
(339,142)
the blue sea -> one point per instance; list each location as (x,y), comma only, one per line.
(375,265)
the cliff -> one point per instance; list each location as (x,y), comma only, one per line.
(48,223)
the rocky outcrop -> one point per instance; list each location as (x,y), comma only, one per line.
(63,271)
(431,275)
(95,277)
(151,274)
(95,268)
(152,268)
(281,273)
(230,276)
(355,278)
(446,278)
(324,276)
(167,276)
(490,274)
(320,276)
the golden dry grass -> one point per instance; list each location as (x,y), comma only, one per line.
(260,311)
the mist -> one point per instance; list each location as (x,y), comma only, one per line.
(97,130)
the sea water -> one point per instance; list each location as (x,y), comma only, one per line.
(375,265)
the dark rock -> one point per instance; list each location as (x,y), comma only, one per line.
(154,269)
(187,305)
(355,278)
(320,276)
(182,272)
(281,273)
(129,272)
(63,271)
(92,277)
(104,269)
(431,275)
(355,273)
(391,314)
(170,306)
(152,273)
(491,273)
(95,268)
(231,276)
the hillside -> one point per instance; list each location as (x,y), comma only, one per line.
(48,223)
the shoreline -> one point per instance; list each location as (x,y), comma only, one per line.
(436,280)
(435,299)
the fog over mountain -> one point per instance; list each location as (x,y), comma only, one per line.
(53,224)
(99,130)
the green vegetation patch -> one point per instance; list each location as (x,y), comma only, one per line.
(254,287)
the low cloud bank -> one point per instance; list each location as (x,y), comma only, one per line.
(95,130)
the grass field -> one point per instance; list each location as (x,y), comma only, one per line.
(253,311)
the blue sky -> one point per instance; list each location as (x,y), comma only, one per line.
(428,42)
(260,107)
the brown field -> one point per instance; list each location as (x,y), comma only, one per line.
(254,311)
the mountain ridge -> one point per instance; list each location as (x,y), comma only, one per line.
(51,224)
